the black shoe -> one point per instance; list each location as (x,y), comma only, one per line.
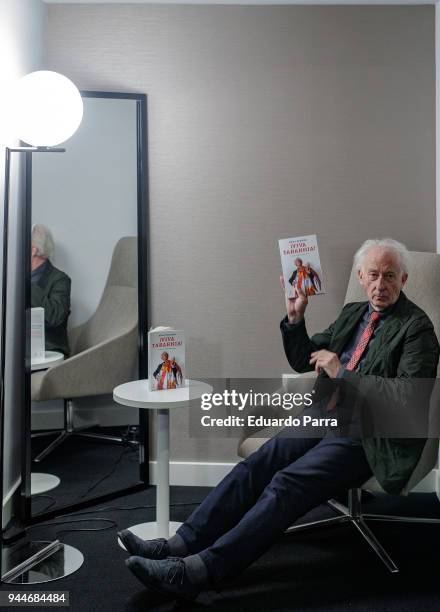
(166,576)
(150,549)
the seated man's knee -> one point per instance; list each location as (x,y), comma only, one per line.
(260,455)
(282,483)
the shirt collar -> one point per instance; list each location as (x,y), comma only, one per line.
(40,270)
(382,313)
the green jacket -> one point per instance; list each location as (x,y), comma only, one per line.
(52,292)
(404,347)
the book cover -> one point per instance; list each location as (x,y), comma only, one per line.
(166,359)
(301,265)
(37,334)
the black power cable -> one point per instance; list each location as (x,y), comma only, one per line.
(112,508)
(124,451)
(127,447)
(52,523)
(106,520)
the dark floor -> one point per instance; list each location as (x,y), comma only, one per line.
(330,569)
(81,463)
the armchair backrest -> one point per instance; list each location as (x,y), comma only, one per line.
(117,311)
(422,288)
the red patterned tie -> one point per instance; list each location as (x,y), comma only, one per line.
(357,354)
(363,342)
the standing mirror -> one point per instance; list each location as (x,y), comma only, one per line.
(87,297)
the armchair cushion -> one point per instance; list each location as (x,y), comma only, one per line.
(95,371)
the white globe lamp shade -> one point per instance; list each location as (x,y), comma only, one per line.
(46,108)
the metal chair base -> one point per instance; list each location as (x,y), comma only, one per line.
(69,430)
(353,514)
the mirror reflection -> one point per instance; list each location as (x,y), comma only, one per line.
(84,316)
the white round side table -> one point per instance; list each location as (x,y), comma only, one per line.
(50,359)
(137,395)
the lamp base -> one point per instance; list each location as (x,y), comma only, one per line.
(38,562)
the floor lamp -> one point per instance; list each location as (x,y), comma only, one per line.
(45,110)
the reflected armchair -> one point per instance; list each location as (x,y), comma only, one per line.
(104,349)
(422,288)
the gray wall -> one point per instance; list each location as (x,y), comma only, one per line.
(264,123)
(21,51)
(88,198)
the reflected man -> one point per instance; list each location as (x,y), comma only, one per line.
(50,289)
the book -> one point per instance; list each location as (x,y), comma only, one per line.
(301,265)
(37,334)
(166,359)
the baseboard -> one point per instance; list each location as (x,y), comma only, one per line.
(194,473)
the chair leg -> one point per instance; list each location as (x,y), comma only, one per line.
(352,514)
(375,545)
(69,430)
(66,434)
(357,518)
(402,519)
(335,505)
(52,446)
(41,434)
(98,436)
(334,520)
(68,415)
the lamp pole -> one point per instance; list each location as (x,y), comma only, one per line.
(45,108)
(10,150)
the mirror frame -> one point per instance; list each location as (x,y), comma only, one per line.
(25,509)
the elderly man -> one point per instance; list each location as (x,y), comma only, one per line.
(263,495)
(50,289)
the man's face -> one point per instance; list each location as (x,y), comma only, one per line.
(382,278)
(164,356)
(298,263)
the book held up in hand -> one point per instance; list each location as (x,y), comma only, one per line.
(301,265)
(166,359)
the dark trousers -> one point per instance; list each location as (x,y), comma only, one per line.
(265,494)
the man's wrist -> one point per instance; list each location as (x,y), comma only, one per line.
(295,319)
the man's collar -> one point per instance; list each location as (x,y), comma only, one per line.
(387,311)
(41,265)
(41,274)
(41,268)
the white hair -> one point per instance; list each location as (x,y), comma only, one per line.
(388,244)
(43,241)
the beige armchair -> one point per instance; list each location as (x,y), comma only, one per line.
(422,288)
(104,350)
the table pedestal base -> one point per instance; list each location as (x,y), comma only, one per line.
(40,483)
(150,531)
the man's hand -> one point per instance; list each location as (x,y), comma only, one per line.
(295,306)
(326,360)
